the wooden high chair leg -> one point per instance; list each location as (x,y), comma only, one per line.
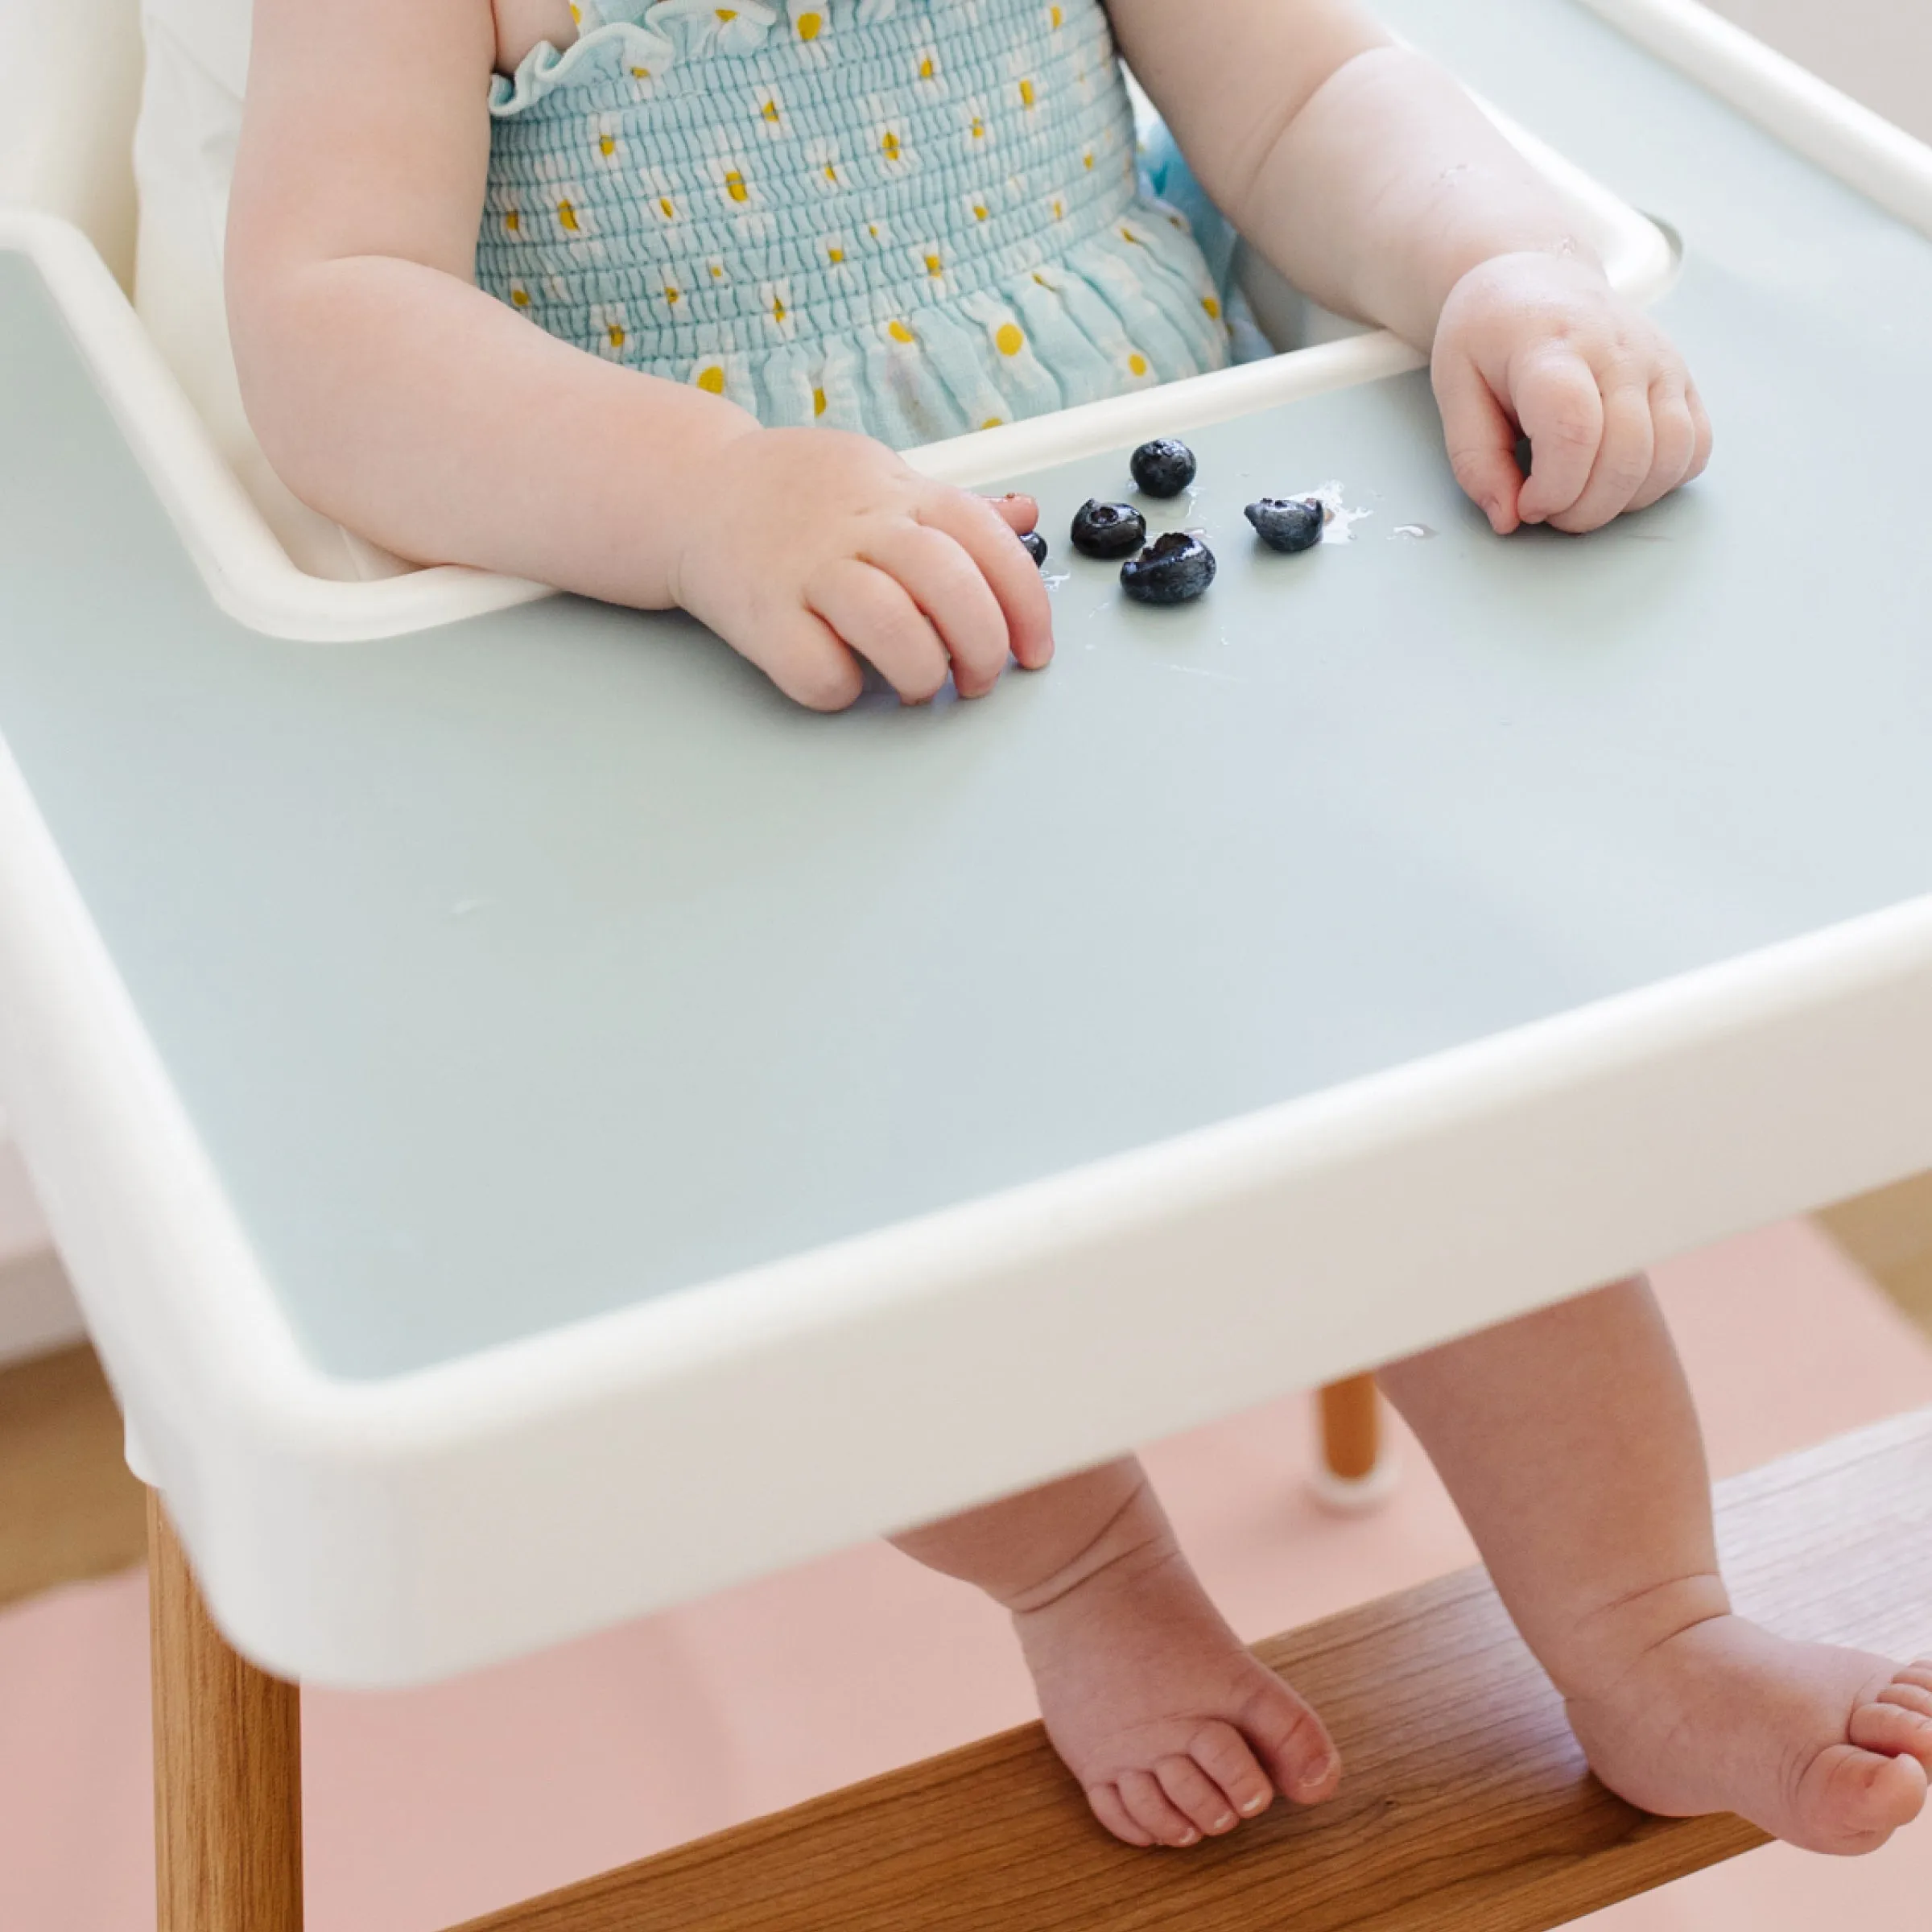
(1355,1470)
(228,1765)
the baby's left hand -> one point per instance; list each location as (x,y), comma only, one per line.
(1542,346)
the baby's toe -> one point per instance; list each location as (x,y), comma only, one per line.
(1898,1721)
(1293,1744)
(1112,1811)
(1222,1753)
(1855,1799)
(1195,1795)
(1151,1808)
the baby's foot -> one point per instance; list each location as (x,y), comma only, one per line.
(1174,1731)
(1828,1749)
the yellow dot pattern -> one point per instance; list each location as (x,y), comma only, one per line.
(966,195)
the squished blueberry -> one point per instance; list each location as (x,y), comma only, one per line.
(1036,546)
(1108,530)
(1171,570)
(1289,523)
(1163,468)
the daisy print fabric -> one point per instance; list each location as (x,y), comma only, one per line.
(911,218)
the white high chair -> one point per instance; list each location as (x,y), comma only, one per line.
(1558,1040)
(139,156)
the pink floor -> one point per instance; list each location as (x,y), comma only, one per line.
(427,1807)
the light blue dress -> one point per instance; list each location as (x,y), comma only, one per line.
(909,217)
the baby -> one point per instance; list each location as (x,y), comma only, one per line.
(639,300)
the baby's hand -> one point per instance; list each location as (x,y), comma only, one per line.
(807,550)
(1543,346)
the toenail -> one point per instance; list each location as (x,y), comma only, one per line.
(1223,1822)
(1318,1774)
(1256,1804)
(1190,1837)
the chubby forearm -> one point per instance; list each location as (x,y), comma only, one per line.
(1388,187)
(1360,169)
(424,415)
(1368,177)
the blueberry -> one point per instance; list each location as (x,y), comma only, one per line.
(1171,570)
(1162,468)
(1289,523)
(1108,530)
(1036,546)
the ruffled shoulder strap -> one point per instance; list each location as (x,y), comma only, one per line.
(649,37)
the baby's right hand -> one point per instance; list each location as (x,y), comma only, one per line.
(807,550)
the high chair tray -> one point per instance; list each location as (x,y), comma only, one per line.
(542,1127)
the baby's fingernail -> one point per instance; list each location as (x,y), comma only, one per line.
(1225,1820)
(1257,1804)
(1317,1774)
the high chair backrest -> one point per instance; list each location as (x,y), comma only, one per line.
(67,137)
(122,119)
(184,158)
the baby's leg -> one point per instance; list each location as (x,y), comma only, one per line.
(1173,1729)
(1570,1443)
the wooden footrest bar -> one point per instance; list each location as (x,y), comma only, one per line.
(1466,1806)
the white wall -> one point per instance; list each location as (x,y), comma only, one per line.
(1878,51)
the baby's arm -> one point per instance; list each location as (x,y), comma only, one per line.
(393,395)
(1369,179)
